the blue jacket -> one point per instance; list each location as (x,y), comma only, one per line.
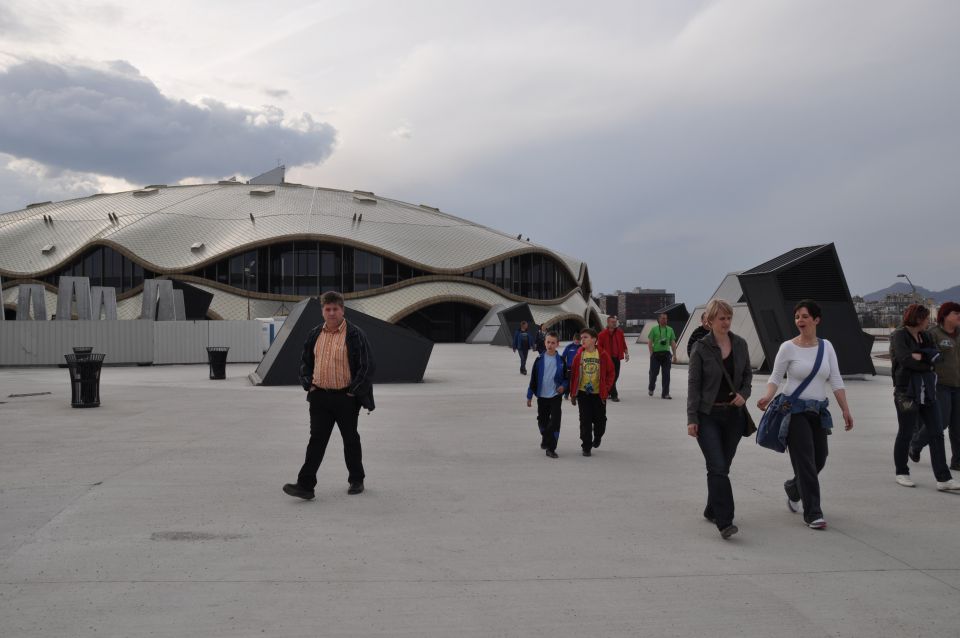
(569,353)
(517,345)
(559,379)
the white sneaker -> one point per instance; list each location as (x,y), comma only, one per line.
(953,485)
(817,524)
(793,506)
(906,481)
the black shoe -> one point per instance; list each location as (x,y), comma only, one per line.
(355,488)
(543,446)
(914,455)
(523,372)
(596,442)
(649,393)
(295,490)
(552,454)
(615,399)
(586,452)
(729,531)
(955,467)
(707,515)
(666,396)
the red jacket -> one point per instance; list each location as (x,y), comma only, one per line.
(607,374)
(613,343)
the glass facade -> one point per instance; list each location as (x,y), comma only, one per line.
(105,267)
(306,268)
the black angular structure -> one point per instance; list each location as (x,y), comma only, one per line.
(401,354)
(196,302)
(677,316)
(510,319)
(813,272)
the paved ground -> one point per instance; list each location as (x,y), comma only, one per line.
(160,514)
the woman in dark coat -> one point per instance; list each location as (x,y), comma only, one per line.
(715,408)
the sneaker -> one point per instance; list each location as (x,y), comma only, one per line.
(649,393)
(615,399)
(914,455)
(596,442)
(709,516)
(587,453)
(792,505)
(293,489)
(905,480)
(355,488)
(729,531)
(552,454)
(817,524)
(667,396)
(953,485)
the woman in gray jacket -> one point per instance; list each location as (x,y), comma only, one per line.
(715,408)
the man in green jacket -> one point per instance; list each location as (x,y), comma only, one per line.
(946,334)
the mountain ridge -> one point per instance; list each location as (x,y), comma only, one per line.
(950,294)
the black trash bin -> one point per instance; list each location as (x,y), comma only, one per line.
(217,357)
(83,351)
(85,379)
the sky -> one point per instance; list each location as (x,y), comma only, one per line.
(664,143)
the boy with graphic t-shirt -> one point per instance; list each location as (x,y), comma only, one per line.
(591,378)
(548,381)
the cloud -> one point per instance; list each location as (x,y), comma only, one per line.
(278,94)
(111,120)
(24,181)
(402,132)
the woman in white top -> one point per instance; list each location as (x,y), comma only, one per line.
(810,422)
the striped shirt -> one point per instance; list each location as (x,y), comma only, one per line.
(331,368)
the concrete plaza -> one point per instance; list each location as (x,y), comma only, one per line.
(160,514)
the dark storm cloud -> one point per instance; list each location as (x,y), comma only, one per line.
(114,121)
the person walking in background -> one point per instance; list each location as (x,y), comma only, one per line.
(913,356)
(522,343)
(698,333)
(540,344)
(946,337)
(336,370)
(611,340)
(662,343)
(718,388)
(568,355)
(590,382)
(548,383)
(809,420)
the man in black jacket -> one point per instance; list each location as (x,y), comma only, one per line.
(335,370)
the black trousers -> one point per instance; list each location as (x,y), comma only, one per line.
(660,361)
(548,420)
(616,376)
(327,409)
(593,419)
(807,445)
(948,398)
(523,359)
(926,419)
(718,436)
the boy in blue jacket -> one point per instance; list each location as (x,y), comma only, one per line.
(548,381)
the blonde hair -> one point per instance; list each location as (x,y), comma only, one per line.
(717,306)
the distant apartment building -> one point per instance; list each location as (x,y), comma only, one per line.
(636,306)
(888,312)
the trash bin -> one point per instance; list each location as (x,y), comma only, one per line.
(217,357)
(84,379)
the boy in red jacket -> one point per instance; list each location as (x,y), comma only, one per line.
(613,342)
(591,378)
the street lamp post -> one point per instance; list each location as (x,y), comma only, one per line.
(246,276)
(912,287)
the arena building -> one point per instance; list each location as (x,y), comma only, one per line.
(258,248)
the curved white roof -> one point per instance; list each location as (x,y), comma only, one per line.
(158,226)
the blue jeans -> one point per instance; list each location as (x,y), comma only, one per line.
(660,361)
(719,434)
(523,359)
(948,398)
